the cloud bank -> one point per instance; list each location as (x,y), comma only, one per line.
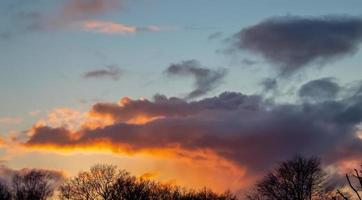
(247,130)
(292,43)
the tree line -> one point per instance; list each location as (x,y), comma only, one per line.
(300,178)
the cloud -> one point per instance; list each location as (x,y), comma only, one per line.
(319,90)
(215,35)
(108,27)
(205,79)
(10,120)
(112,72)
(248,62)
(80,9)
(269,84)
(161,106)
(78,15)
(292,43)
(246,130)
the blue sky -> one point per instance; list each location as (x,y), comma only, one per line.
(41,70)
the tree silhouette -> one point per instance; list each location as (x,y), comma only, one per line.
(297,179)
(106,182)
(32,185)
(94,184)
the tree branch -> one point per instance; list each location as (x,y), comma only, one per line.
(342,195)
(352,187)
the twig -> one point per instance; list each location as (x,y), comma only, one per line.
(354,189)
(342,195)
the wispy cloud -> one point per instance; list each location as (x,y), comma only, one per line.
(111,72)
(10,120)
(205,79)
(78,15)
(108,27)
(215,35)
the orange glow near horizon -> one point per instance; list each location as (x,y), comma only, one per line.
(173,166)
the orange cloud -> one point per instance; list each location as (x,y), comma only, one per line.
(73,119)
(84,15)
(241,130)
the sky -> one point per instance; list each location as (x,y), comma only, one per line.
(179,90)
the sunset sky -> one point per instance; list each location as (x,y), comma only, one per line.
(191,92)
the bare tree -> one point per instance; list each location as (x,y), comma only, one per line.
(128,187)
(105,182)
(33,185)
(355,185)
(94,184)
(297,179)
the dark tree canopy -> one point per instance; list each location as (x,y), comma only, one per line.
(4,191)
(28,184)
(297,179)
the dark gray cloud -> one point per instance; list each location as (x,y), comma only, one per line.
(247,130)
(291,43)
(112,72)
(205,79)
(171,107)
(319,90)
